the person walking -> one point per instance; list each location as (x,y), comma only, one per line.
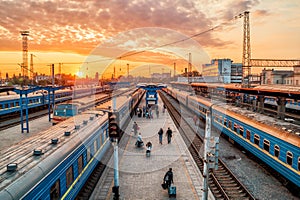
(169,135)
(160,135)
(135,128)
(168,178)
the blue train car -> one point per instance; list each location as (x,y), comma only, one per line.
(38,99)
(278,148)
(61,169)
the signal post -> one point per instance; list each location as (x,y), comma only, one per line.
(114,135)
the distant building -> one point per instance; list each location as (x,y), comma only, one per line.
(42,77)
(161,75)
(222,70)
(236,72)
(284,77)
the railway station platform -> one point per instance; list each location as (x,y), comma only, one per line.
(14,135)
(140,177)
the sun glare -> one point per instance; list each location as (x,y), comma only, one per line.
(79,74)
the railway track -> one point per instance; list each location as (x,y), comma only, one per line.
(15,119)
(222,182)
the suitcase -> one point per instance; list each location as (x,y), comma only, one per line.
(172,191)
(148,152)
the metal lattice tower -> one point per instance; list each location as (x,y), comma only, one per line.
(246,48)
(25,34)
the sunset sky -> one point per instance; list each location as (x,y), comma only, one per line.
(89,36)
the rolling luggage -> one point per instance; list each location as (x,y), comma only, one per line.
(148,152)
(172,191)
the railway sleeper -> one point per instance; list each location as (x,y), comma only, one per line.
(239,196)
(225,178)
(228,181)
(236,195)
(230,185)
(217,193)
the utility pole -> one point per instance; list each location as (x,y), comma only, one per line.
(31,70)
(206,147)
(211,153)
(190,67)
(127,71)
(174,71)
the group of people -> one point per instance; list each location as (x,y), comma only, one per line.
(147,112)
(140,142)
(169,133)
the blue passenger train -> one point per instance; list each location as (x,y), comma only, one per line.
(11,104)
(278,148)
(58,169)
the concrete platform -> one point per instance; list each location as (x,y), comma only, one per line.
(140,177)
(14,134)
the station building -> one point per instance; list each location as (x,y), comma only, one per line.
(282,77)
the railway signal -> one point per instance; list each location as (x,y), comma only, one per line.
(113,125)
(213,152)
(114,134)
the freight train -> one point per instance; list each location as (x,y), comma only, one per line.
(278,148)
(56,163)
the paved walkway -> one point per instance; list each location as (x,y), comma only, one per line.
(140,177)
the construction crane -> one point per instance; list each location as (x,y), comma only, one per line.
(248,62)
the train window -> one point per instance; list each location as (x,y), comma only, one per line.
(235,127)
(69,176)
(17,103)
(88,154)
(106,134)
(299,164)
(100,139)
(276,151)
(95,147)
(229,124)
(225,121)
(12,105)
(80,164)
(289,158)
(54,191)
(267,145)
(248,134)
(256,139)
(241,130)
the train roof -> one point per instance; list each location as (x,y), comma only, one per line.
(275,127)
(22,153)
(267,90)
